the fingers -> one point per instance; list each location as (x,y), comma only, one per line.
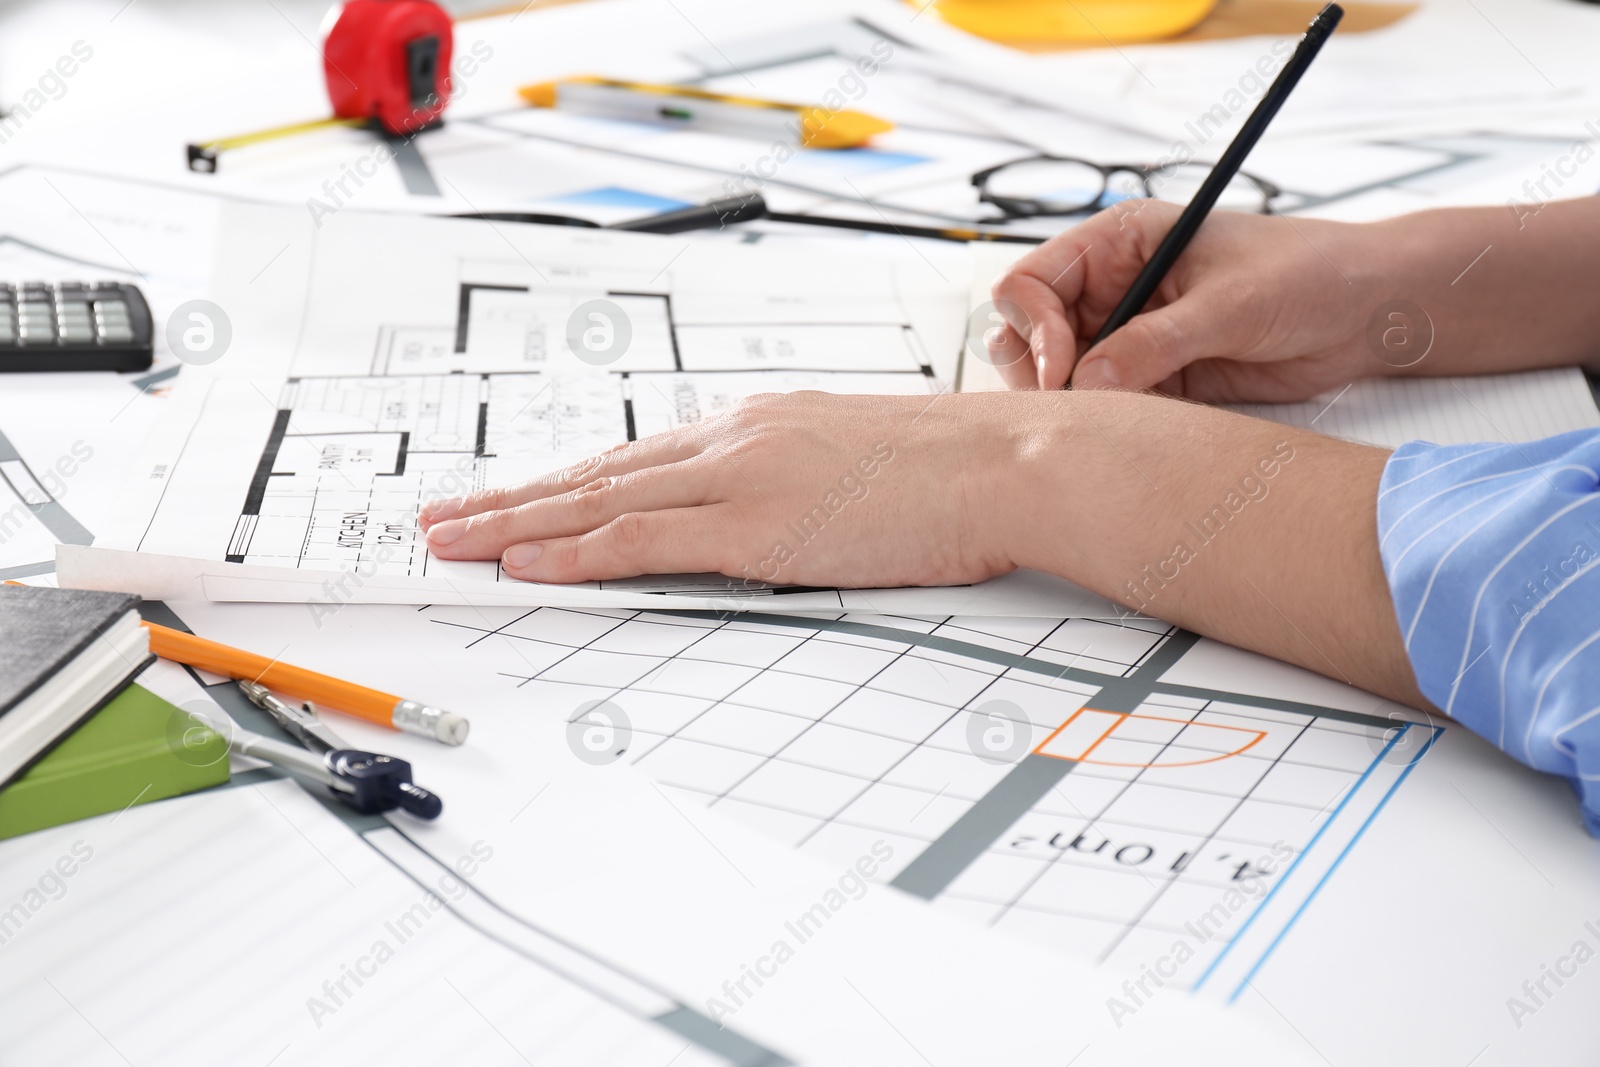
(1151,348)
(1009,355)
(1037,314)
(1043,293)
(578,511)
(657,450)
(1055,294)
(1059,261)
(675,541)
(1057,348)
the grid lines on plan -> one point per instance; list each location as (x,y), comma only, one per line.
(833,734)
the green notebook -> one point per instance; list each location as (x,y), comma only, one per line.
(136,749)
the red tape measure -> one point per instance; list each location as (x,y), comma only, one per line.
(387,64)
(389,61)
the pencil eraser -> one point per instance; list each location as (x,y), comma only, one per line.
(451,728)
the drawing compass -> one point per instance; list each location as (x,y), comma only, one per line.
(369,782)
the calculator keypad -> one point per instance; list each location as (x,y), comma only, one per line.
(72,325)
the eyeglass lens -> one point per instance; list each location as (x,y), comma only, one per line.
(1064,186)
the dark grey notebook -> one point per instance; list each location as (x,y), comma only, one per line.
(63,654)
(42,630)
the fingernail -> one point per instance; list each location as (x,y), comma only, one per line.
(520,556)
(1097,374)
(446,534)
(441,509)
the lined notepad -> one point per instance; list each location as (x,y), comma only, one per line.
(1446,411)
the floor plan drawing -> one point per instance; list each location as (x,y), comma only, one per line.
(500,395)
(1034,775)
(515,356)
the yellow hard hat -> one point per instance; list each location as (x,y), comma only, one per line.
(1089,21)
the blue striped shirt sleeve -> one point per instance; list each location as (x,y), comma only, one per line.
(1493,559)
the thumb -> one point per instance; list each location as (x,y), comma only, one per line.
(1151,348)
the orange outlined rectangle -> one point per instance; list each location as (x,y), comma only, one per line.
(1078,736)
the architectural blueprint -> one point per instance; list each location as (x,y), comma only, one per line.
(1043,777)
(304,933)
(1034,775)
(1088,787)
(293,470)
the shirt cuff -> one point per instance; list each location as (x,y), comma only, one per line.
(1493,558)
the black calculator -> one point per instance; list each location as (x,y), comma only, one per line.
(54,326)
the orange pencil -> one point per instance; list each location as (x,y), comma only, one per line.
(385,709)
(397,713)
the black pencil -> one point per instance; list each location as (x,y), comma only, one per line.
(1227,168)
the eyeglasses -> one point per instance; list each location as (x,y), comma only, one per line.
(1061,185)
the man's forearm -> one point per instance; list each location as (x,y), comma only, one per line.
(1501,289)
(1254,533)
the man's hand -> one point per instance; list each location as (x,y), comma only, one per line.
(1257,534)
(1262,308)
(800,488)
(1256,308)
